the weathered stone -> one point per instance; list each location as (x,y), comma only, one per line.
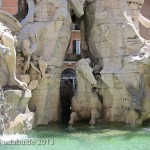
(132,117)
(33,85)
(25,78)
(13,110)
(2,126)
(112,37)
(47,30)
(22,123)
(18,99)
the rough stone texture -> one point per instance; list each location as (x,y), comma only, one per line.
(21,124)
(33,85)
(20,118)
(46,33)
(112,38)
(18,100)
(25,78)
(14,114)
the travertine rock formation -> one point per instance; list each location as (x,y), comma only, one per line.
(112,37)
(18,100)
(13,111)
(18,106)
(85,103)
(21,124)
(46,33)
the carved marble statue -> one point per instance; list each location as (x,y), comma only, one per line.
(8,54)
(85,103)
(13,101)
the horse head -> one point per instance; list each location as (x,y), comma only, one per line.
(86,71)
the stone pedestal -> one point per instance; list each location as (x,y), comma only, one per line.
(15,109)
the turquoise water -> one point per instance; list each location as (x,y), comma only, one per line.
(104,136)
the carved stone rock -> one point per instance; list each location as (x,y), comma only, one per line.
(46,34)
(112,38)
(109,36)
(21,124)
(13,111)
(33,85)
(18,99)
(25,78)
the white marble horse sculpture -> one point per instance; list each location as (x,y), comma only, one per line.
(85,103)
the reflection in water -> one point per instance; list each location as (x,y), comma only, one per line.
(84,137)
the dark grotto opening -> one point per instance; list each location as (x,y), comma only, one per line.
(67,89)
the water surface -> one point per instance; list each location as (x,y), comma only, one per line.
(104,136)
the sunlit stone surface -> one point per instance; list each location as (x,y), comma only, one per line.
(110,37)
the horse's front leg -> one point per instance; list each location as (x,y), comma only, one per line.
(94,114)
(73,117)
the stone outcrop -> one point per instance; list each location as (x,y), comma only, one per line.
(109,36)
(46,33)
(15,117)
(21,124)
(18,100)
(112,38)
(20,118)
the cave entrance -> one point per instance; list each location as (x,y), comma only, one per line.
(67,89)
